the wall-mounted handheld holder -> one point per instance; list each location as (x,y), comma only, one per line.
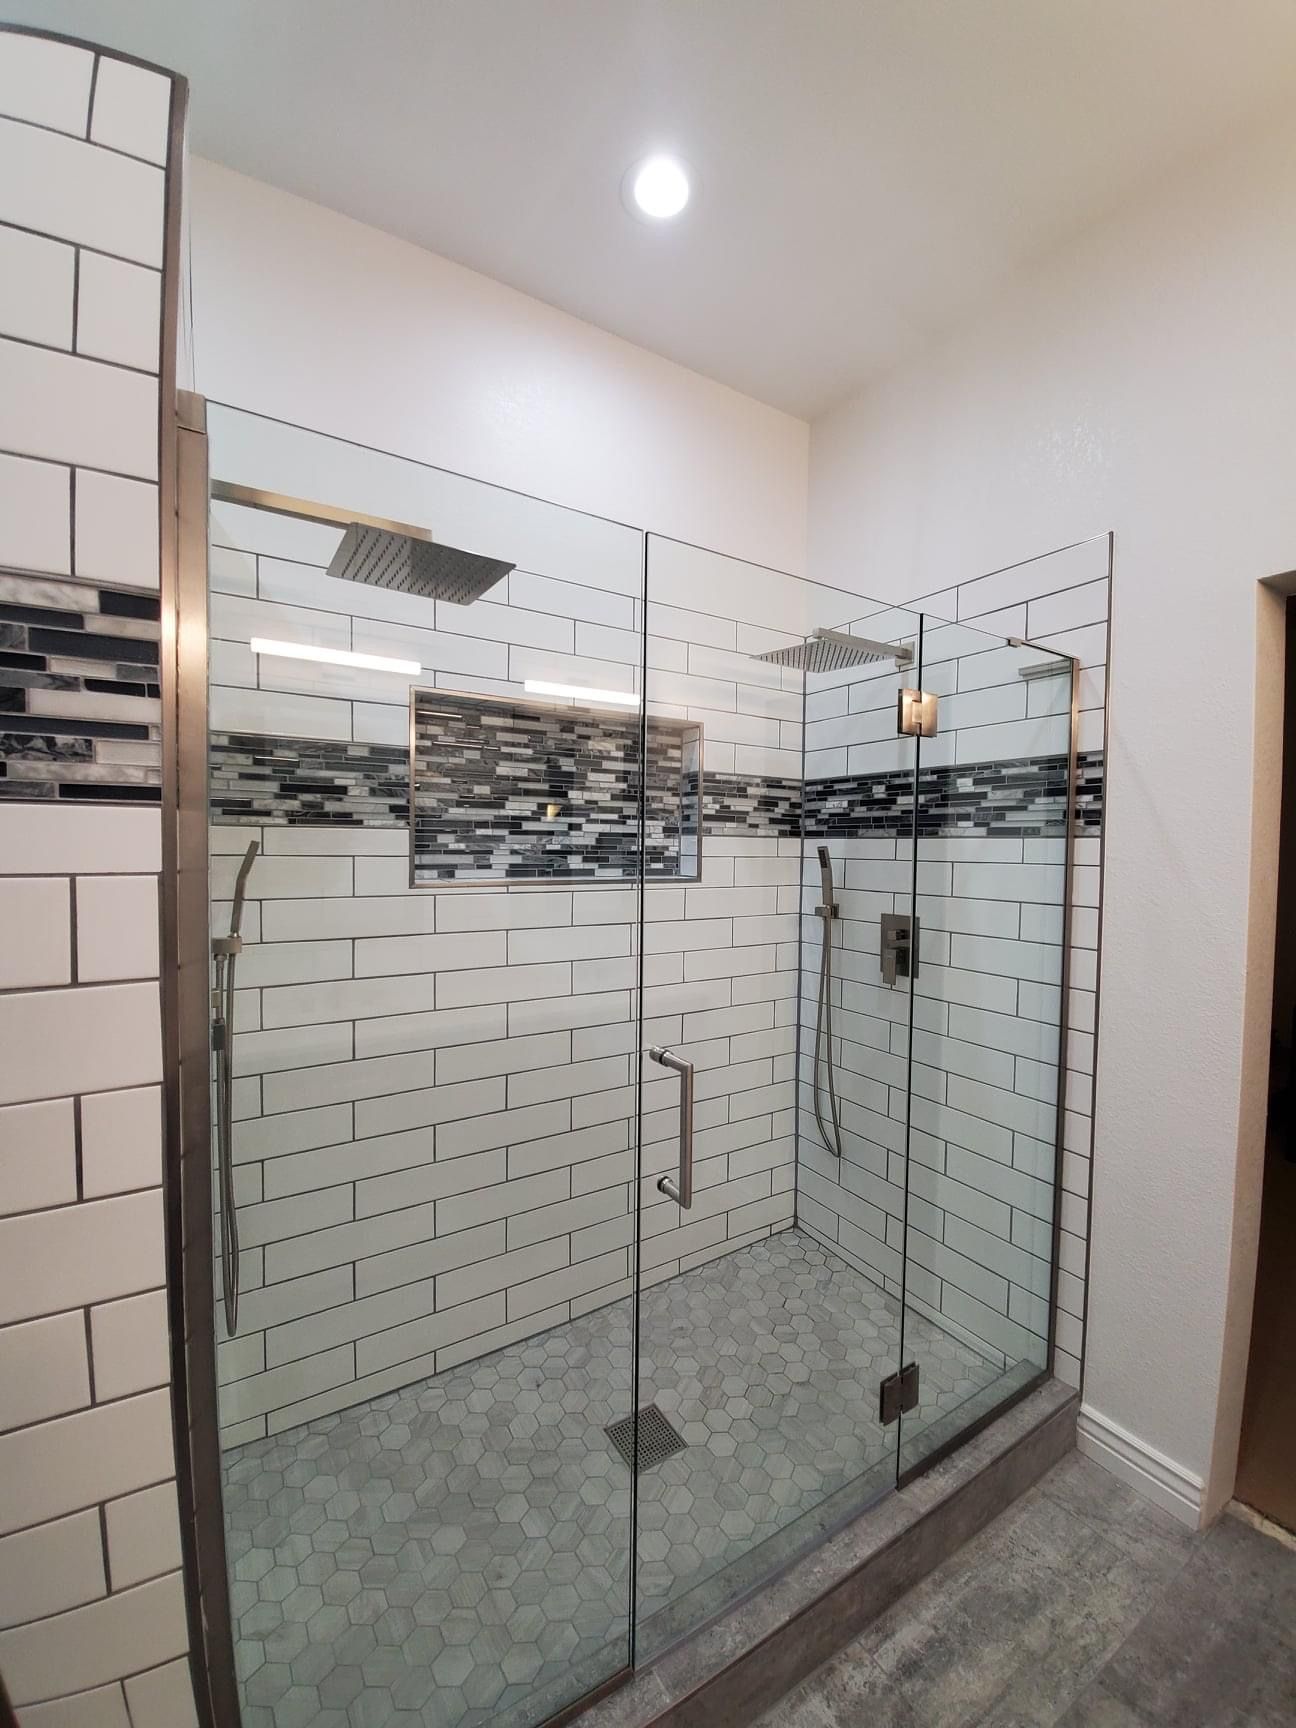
(680,1192)
(899,951)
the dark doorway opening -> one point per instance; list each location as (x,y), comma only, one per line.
(1266,1479)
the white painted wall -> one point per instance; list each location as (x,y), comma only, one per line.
(311,317)
(1145,380)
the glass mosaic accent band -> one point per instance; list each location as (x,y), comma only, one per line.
(79,692)
(259,779)
(308,782)
(1024,797)
(767,805)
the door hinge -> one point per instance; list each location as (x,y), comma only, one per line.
(917,714)
(898,1395)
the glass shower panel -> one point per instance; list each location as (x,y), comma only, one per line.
(990,866)
(859,805)
(762,1337)
(434,1066)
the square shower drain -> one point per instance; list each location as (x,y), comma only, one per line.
(657,1439)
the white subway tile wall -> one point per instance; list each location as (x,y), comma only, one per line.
(92,1614)
(435,1147)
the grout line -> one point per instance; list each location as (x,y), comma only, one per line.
(90,98)
(76,297)
(78,1154)
(74,936)
(90,1367)
(90,468)
(94,143)
(76,353)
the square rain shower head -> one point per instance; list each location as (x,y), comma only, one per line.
(835,650)
(412,565)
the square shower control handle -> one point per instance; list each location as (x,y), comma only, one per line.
(680,1192)
(898,947)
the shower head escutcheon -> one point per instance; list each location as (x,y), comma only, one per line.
(414,563)
(836,651)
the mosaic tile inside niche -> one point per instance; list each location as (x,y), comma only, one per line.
(522,790)
(80,703)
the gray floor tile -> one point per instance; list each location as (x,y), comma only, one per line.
(1081,1607)
(851,1691)
(1123,1517)
(1220,1648)
(1097,1708)
(475,1527)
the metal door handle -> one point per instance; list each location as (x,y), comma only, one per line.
(680,1192)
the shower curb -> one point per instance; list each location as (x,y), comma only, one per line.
(732,1671)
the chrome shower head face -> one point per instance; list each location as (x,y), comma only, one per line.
(410,564)
(836,651)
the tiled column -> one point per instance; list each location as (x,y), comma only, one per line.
(93,1629)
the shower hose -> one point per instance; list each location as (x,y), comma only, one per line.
(823,1040)
(222,1036)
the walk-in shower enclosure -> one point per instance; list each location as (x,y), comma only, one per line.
(531,950)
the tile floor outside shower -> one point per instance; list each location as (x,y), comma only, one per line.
(1081,1606)
(458,1552)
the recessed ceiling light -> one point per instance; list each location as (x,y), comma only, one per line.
(657,188)
(334,656)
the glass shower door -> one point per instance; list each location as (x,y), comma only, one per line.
(433,1100)
(769,1309)
(989,860)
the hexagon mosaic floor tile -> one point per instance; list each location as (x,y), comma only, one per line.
(458,1552)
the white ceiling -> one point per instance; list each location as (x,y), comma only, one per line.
(867,170)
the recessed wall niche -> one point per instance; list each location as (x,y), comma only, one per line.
(510,790)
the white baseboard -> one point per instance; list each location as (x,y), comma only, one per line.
(1146,1470)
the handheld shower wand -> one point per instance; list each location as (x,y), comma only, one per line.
(826,878)
(823,1020)
(225,951)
